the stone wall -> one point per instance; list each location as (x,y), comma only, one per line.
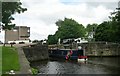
(101,49)
(36,52)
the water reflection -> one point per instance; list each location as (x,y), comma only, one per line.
(92,66)
(110,61)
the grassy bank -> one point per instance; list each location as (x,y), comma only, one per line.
(10,59)
(0,60)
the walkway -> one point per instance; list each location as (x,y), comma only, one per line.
(24,63)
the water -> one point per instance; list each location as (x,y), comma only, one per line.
(92,66)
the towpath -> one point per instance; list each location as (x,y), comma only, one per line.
(24,63)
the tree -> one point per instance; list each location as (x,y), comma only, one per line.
(52,39)
(67,28)
(117,19)
(103,32)
(109,30)
(91,27)
(8,9)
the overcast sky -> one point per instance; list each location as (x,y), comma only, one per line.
(42,14)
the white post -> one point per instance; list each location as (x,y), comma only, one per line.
(59,41)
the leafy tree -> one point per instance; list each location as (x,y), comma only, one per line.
(91,27)
(67,28)
(103,32)
(117,21)
(106,31)
(52,39)
(109,30)
(8,9)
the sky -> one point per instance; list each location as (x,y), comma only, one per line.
(42,14)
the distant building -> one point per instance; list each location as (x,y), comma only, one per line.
(17,34)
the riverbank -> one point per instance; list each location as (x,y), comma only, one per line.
(106,61)
(11,57)
(10,60)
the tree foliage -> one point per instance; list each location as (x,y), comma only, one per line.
(67,28)
(91,27)
(117,19)
(8,9)
(52,39)
(104,32)
(109,30)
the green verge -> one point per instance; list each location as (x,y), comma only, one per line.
(10,60)
(0,60)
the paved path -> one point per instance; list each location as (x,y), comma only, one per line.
(24,63)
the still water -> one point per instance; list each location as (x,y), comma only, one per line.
(99,65)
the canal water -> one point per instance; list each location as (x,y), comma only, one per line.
(94,65)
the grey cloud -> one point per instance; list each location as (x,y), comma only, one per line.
(80,1)
(51,18)
(108,5)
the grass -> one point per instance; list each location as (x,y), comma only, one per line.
(0,60)
(10,60)
(34,71)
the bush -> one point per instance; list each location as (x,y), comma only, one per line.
(34,71)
